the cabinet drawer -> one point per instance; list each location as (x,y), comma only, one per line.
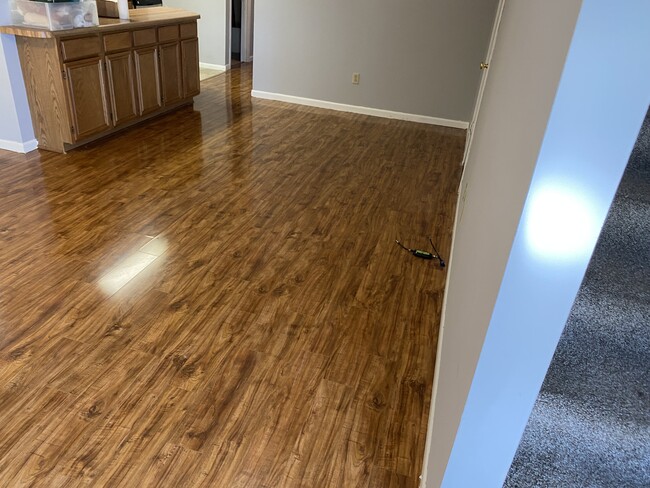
(188,31)
(144,37)
(117,42)
(82,47)
(168,33)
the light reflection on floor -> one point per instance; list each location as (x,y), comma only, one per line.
(131,266)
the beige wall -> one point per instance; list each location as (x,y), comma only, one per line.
(417,57)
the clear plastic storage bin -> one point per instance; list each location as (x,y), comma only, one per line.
(54,16)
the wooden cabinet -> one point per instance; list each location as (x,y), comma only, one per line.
(190,64)
(171,76)
(121,87)
(148,80)
(84,86)
(88,97)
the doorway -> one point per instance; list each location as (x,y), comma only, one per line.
(241,31)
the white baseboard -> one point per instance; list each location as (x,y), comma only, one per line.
(30,146)
(424,119)
(19,147)
(218,67)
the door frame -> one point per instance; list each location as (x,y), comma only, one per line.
(484,77)
(228,5)
(246,33)
(247,12)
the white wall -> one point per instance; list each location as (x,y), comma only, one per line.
(417,57)
(16,133)
(212,28)
(501,327)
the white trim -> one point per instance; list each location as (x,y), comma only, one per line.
(424,119)
(19,147)
(228,31)
(484,77)
(468,141)
(246,44)
(218,67)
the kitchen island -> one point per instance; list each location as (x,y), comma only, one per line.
(87,83)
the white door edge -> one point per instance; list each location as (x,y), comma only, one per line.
(481,88)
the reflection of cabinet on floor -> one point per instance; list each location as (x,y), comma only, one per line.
(83,87)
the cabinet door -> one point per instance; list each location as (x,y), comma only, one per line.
(147,80)
(121,85)
(170,73)
(190,58)
(88,97)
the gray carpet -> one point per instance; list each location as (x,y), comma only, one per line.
(591,423)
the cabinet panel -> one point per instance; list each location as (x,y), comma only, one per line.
(88,97)
(46,92)
(82,47)
(121,84)
(144,37)
(117,42)
(170,73)
(148,80)
(190,59)
(188,31)
(168,33)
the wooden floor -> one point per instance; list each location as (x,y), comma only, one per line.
(216,299)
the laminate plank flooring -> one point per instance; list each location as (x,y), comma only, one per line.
(215,298)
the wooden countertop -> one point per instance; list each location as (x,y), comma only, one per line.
(139,18)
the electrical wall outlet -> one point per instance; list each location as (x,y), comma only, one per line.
(355,78)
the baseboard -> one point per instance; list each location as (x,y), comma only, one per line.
(458,124)
(218,67)
(19,147)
